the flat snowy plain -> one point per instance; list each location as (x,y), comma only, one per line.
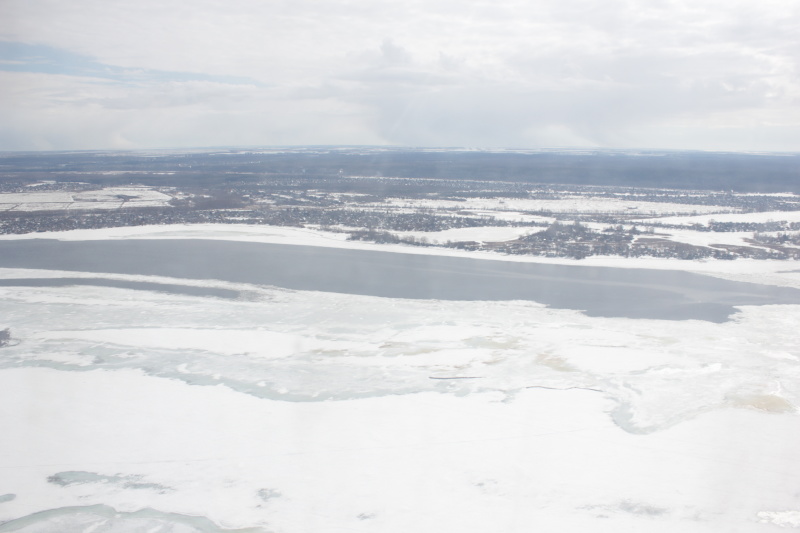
(296,411)
(102,199)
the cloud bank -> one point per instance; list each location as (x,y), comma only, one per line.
(659,74)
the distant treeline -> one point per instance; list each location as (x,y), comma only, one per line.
(676,170)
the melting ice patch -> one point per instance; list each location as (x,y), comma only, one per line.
(105,518)
(65,479)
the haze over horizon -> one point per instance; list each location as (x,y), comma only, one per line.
(93,74)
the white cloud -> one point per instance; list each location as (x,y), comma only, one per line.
(438,71)
(48,112)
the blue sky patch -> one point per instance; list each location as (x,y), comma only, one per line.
(21,57)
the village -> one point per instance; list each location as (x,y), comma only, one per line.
(504,217)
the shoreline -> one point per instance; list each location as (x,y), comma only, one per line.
(764,272)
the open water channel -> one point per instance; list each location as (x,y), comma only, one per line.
(597,291)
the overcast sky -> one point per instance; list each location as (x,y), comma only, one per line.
(694,74)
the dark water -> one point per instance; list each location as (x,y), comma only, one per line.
(598,291)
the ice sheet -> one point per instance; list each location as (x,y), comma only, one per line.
(287,411)
(421,462)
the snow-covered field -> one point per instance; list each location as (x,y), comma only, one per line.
(291,411)
(106,198)
(565,204)
(765,216)
(477,234)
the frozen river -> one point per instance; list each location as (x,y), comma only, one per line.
(598,291)
(135,398)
